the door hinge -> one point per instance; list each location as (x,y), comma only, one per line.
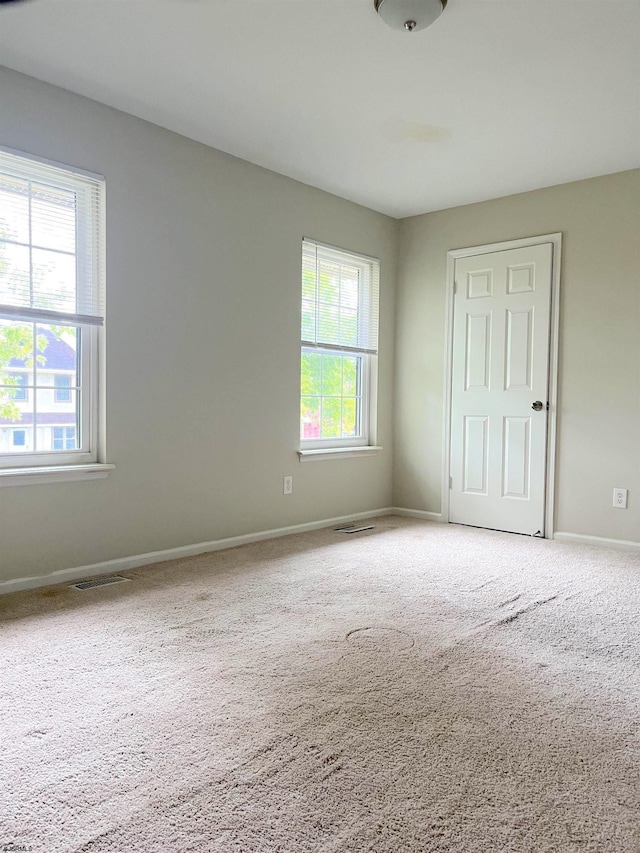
(455,287)
(450,482)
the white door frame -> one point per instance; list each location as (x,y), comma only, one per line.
(452,256)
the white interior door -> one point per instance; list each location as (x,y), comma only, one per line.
(499,392)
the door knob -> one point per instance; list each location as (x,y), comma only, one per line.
(537,406)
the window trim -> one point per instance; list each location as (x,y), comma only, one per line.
(88,461)
(328,453)
(366,442)
(38,475)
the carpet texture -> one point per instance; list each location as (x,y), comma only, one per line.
(413,688)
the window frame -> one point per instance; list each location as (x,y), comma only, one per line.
(87,413)
(87,461)
(364,381)
(369,269)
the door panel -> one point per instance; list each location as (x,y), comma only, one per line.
(500,367)
(518,356)
(516,458)
(477,352)
(476,455)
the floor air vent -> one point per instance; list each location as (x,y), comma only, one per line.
(99,582)
(350,528)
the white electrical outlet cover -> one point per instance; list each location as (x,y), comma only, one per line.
(620,498)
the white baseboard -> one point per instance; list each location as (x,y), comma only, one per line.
(417,513)
(598,541)
(123,563)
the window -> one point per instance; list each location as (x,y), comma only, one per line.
(339,348)
(62,385)
(51,310)
(19,438)
(63,438)
(19,391)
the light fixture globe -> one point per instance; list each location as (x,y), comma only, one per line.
(409,15)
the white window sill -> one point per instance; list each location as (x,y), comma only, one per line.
(54,474)
(322,454)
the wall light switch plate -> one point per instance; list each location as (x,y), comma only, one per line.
(620,498)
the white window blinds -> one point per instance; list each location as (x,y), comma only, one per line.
(51,255)
(339,299)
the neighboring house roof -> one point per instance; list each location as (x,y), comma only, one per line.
(57,353)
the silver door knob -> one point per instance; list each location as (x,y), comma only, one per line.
(537,406)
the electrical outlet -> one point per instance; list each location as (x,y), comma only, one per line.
(620,498)
(287,484)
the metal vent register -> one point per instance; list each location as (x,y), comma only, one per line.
(99,582)
(351,528)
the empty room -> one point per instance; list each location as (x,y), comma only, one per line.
(319,426)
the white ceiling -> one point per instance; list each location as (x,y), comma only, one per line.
(497,97)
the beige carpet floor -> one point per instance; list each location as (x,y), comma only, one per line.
(416,688)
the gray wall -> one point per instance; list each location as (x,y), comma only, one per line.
(203,272)
(599,377)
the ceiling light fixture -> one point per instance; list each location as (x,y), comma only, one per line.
(409,15)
